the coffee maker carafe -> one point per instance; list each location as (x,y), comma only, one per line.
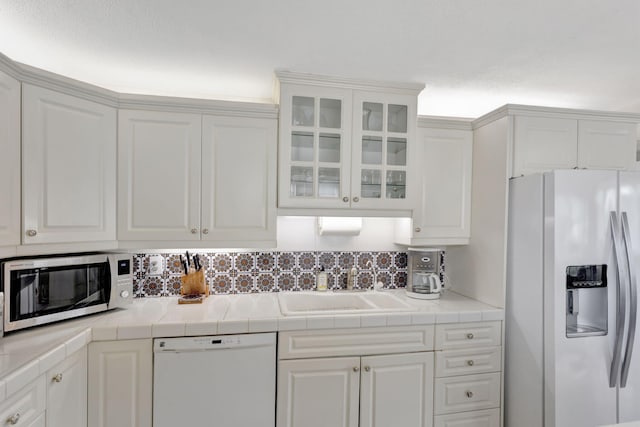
(423,280)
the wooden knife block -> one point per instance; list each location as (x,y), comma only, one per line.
(194,283)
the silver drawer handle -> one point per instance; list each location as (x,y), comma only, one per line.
(356,369)
(205,231)
(194,230)
(31,233)
(13,420)
(345,199)
(470,362)
(418,229)
(367,368)
(356,199)
(469,336)
(469,394)
(58,377)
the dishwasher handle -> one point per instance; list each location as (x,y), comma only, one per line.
(210,343)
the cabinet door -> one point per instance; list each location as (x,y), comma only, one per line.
(444,210)
(120,383)
(9,160)
(314,148)
(384,150)
(158,176)
(397,390)
(318,392)
(606,145)
(67,392)
(68,168)
(542,144)
(238,179)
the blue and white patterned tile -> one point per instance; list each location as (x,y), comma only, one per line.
(265,261)
(307,261)
(244,262)
(221,283)
(286,261)
(266,282)
(244,283)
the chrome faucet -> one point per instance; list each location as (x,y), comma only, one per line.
(351,278)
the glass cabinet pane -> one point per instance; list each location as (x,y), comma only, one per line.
(370,183)
(397,151)
(397,118)
(302,111)
(372,116)
(330,113)
(371,150)
(301,181)
(329,182)
(329,148)
(396,184)
(302,146)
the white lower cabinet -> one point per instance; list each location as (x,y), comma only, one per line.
(27,406)
(360,387)
(67,392)
(468,375)
(120,383)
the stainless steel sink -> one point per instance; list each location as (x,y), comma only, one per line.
(318,303)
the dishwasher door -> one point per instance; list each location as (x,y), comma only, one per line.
(221,381)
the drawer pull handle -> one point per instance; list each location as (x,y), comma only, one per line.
(367,368)
(470,362)
(345,199)
(57,378)
(13,420)
(469,336)
(356,369)
(469,394)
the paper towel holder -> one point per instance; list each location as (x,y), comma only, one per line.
(339,226)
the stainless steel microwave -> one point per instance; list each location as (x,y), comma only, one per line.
(45,290)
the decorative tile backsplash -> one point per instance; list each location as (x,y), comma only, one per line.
(250,272)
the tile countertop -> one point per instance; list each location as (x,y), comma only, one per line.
(26,354)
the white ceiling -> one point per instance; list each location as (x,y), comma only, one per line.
(473,55)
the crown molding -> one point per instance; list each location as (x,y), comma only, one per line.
(35,76)
(193,105)
(563,113)
(458,123)
(291,77)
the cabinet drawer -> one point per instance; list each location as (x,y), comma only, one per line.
(467,335)
(25,405)
(467,393)
(488,418)
(465,362)
(355,342)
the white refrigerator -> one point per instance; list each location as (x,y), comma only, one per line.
(571,299)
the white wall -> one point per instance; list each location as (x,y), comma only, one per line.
(300,233)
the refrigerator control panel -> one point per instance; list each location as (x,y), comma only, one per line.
(586,276)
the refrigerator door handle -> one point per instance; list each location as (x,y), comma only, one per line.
(633,302)
(621,303)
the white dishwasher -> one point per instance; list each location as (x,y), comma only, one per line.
(221,381)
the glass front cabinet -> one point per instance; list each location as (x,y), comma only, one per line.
(347,148)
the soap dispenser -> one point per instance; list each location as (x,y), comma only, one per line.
(321,280)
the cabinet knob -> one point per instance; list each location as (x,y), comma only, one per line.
(470,362)
(205,231)
(57,378)
(13,419)
(124,294)
(418,229)
(356,369)
(469,336)
(367,368)
(194,231)
(469,394)
(31,233)
(356,199)
(345,199)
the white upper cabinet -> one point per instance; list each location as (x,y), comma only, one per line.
(188,177)
(9,160)
(68,168)
(159,163)
(545,143)
(443,213)
(346,144)
(606,145)
(238,178)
